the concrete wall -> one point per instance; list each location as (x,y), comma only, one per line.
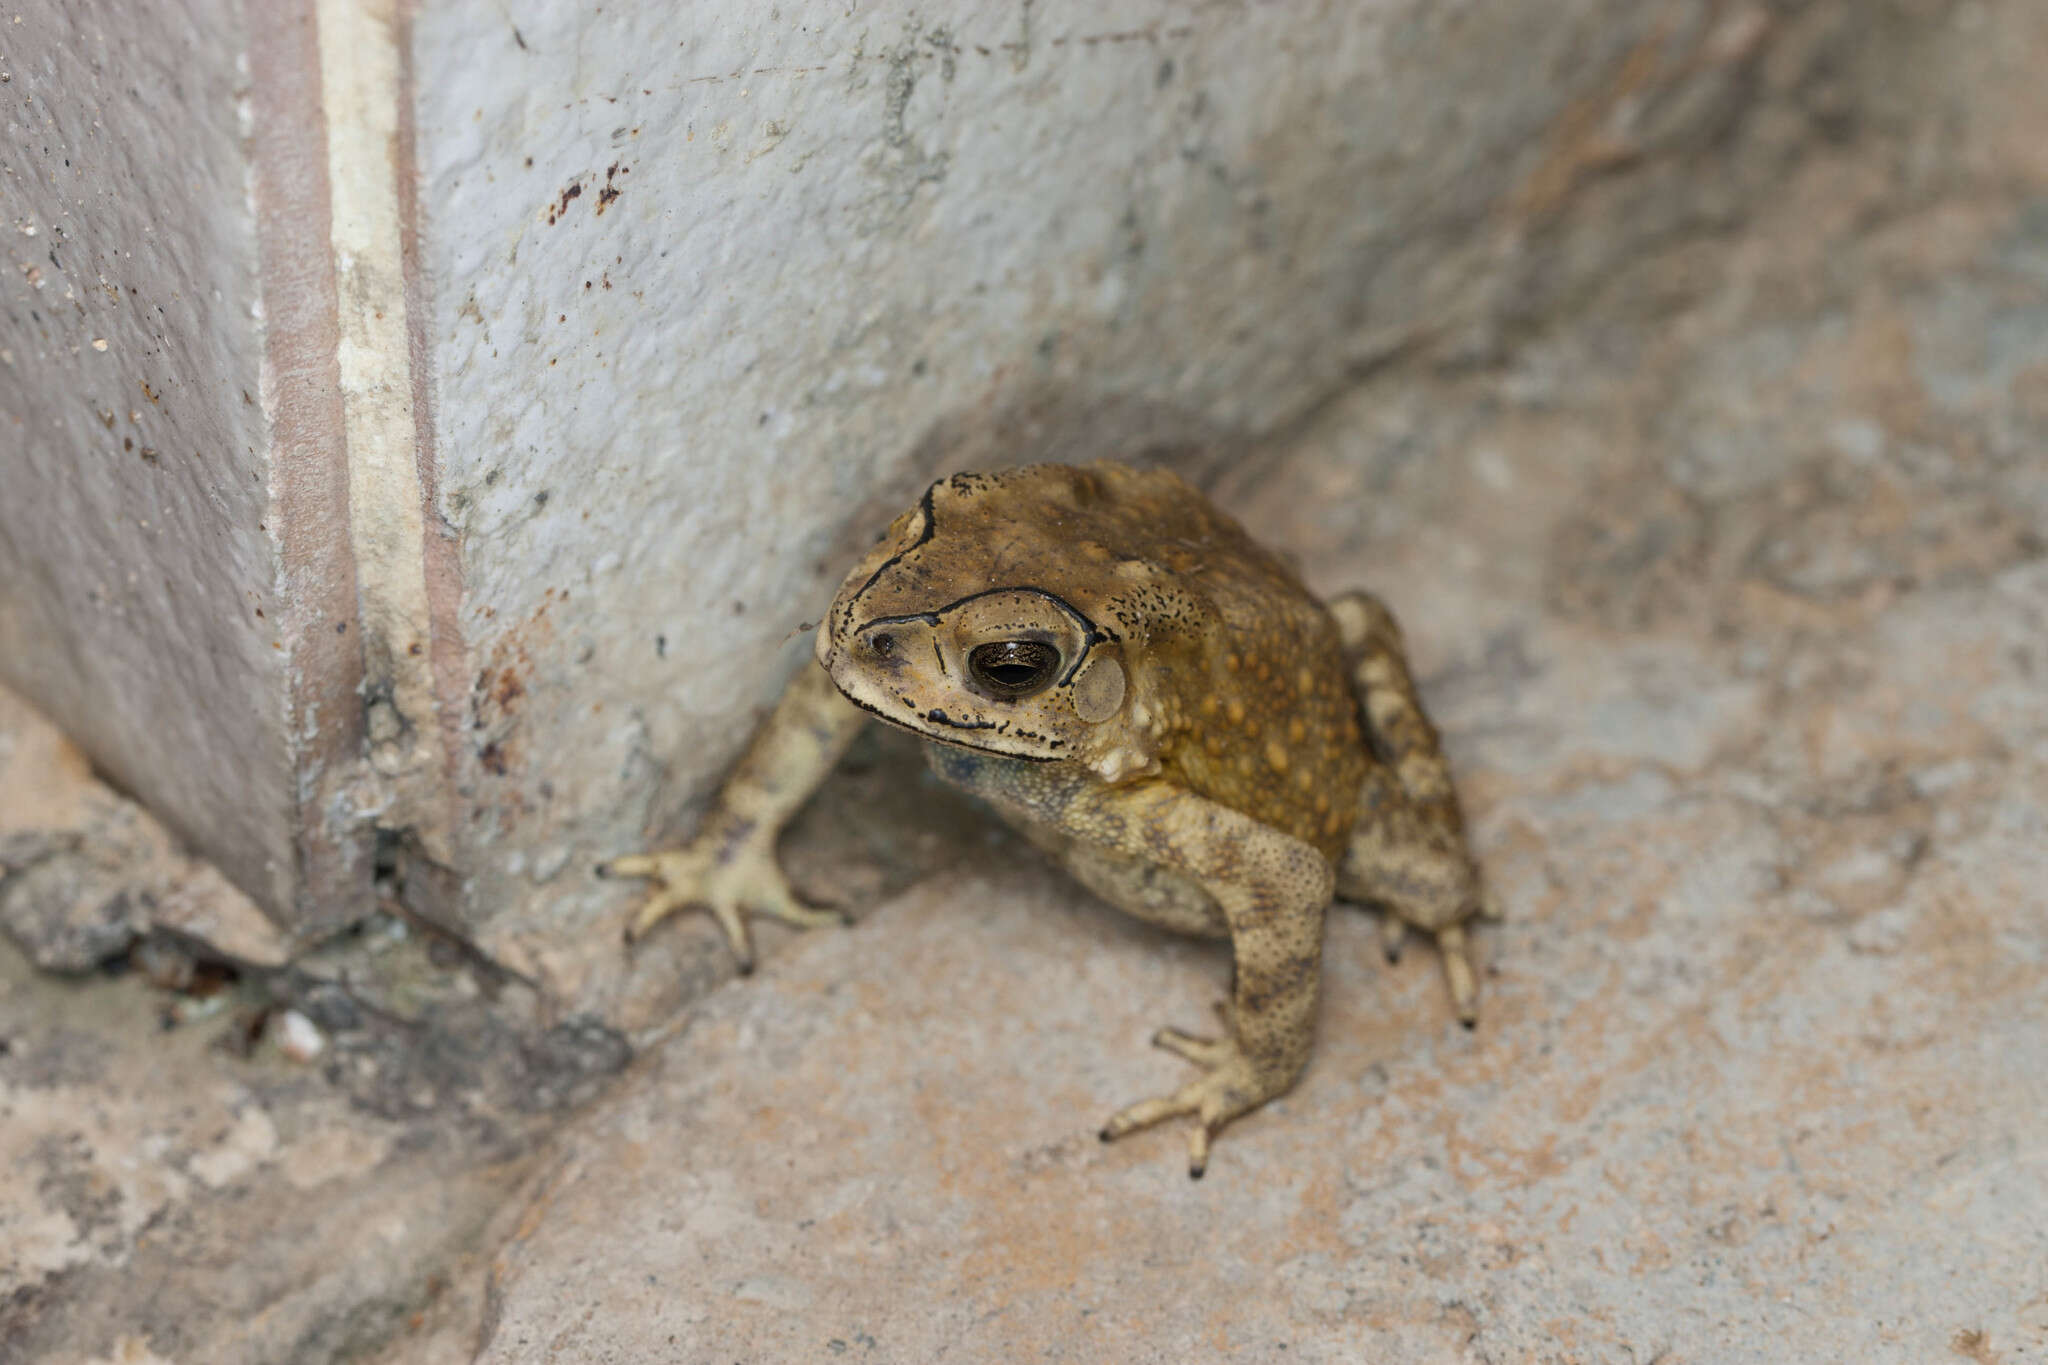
(177,584)
(598,338)
(139,595)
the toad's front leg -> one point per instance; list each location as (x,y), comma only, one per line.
(1272,888)
(730,867)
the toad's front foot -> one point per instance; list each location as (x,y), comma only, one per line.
(1234,1084)
(732,878)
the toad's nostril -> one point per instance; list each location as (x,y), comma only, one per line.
(883,645)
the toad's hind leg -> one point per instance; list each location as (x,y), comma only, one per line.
(1407,851)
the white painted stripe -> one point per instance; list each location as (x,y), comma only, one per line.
(359,74)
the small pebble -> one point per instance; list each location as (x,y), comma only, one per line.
(298,1037)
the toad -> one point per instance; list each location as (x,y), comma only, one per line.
(1121,672)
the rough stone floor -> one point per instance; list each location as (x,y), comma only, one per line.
(1731,598)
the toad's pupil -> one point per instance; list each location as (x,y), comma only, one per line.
(1013,668)
(884,644)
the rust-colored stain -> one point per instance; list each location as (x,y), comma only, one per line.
(1579,142)
(1584,140)
(560,206)
(609,191)
(1973,1344)
(498,694)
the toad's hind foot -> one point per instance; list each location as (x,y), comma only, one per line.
(1458,974)
(732,882)
(1393,935)
(1233,1085)
(1454,947)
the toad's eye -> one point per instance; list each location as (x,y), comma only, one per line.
(1009,669)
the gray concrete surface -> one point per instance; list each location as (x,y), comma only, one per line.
(255,1166)
(164,1194)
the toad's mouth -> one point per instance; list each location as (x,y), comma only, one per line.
(1009,737)
(937,716)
